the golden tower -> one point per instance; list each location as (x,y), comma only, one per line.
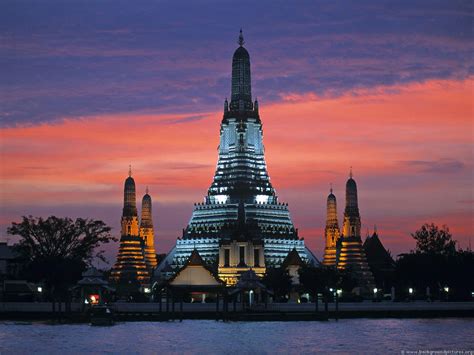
(147,232)
(352,256)
(130,264)
(331,232)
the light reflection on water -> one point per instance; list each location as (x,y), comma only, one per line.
(211,337)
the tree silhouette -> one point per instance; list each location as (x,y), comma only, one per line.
(278,280)
(433,240)
(57,250)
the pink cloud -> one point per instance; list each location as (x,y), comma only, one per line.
(310,141)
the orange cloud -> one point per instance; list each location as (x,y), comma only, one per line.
(395,137)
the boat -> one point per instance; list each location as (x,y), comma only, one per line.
(101,315)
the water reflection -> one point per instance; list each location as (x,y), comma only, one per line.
(211,337)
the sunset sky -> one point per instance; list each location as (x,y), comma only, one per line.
(89,87)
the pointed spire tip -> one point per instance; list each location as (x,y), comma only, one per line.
(130,170)
(241,38)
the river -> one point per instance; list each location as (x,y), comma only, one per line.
(211,337)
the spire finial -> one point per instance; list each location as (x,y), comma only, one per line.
(350,173)
(130,170)
(146,191)
(241,38)
(330,188)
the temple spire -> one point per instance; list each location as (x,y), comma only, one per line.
(350,173)
(241,39)
(241,91)
(130,170)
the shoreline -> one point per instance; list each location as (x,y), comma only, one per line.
(124,312)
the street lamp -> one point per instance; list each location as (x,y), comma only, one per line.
(410,291)
(39,289)
(339,292)
(375,294)
(446,289)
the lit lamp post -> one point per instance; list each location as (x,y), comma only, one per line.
(39,289)
(446,289)
(337,294)
(410,292)
(375,294)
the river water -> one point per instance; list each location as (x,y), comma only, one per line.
(210,337)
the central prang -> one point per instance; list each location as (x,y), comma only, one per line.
(240,225)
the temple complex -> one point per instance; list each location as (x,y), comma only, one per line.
(240,224)
(344,250)
(136,256)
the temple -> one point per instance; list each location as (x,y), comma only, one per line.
(331,233)
(136,257)
(240,225)
(379,259)
(345,250)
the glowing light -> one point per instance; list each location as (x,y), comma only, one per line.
(410,290)
(339,292)
(446,289)
(261,198)
(94,299)
(39,289)
(146,290)
(375,291)
(221,198)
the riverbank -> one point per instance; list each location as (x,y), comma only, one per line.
(272,312)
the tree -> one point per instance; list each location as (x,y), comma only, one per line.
(57,250)
(432,240)
(436,271)
(278,280)
(311,281)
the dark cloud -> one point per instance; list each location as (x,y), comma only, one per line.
(441,166)
(71,59)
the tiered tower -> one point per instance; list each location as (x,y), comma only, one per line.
(331,232)
(241,187)
(352,255)
(147,232)
(130,263)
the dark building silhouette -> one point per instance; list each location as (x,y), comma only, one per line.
(380,261)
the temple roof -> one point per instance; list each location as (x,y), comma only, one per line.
(293,258)
(376,252)
(248,281)
(195,259)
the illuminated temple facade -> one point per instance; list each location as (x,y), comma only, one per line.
(345,250)
(240,224)
(136,257)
